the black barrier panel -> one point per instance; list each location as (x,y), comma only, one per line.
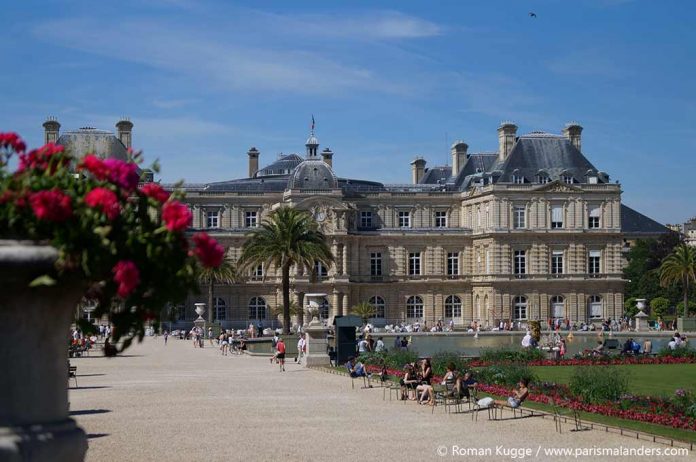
(345,337)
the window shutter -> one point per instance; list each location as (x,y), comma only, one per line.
(557,213)
(595,211)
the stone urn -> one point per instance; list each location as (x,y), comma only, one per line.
(34,333)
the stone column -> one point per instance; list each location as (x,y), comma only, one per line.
(317,344)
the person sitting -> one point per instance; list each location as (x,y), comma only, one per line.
(427,389)
(519,394)
(627,347)
(408,382)
(464,385)
(599,349)
(647,346)
(423,390)
(635,347)
(356,369)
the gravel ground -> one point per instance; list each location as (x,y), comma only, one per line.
(178,403)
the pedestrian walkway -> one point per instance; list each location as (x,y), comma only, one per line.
(177,403)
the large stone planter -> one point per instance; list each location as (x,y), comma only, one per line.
(34,331)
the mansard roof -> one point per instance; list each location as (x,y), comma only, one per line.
(87,140)
(436,175)
(477,165)
(553,155)
(635,224)
(283,166)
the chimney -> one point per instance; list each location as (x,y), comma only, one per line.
(253,154)
(506,139)
(51,130)
(573,132)
(417,169)
(125,130)
(458,156)
(327,155)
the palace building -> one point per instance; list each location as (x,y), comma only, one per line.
(532,231)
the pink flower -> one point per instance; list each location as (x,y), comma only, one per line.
(156,192)
(176,216)
(127,276)
(208,251)
(41,158)
(13,141)
(123,174)
(105,200)
(53,205)
(95,166)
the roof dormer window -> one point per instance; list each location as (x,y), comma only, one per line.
(567,178)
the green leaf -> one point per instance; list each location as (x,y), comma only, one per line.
(44,280)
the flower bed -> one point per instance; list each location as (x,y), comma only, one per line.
(605,361)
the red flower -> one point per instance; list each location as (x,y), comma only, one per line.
(123,174)
(156,192)
(127,276)
(13,141)
(176,216)
(208,251)
(53,205)
(104,199)
(95,166)
(40,158)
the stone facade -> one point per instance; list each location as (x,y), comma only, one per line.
(531,232)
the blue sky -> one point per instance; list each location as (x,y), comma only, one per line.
(386,81)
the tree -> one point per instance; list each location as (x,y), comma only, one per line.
(630,308)
(226,273)
(659,306)
(679,267)
(277,312)
(287,238)
(680,307)
(365,310)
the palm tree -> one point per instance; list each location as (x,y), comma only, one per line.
(365,310)
(226,273)
(278,310)
(287,238)
(679,266)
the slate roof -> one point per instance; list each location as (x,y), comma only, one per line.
(92,141)
(313,173)
(477,165)
(436,175)
(283,166)
(634,223)
(543,152)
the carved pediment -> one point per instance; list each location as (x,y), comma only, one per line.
(557,186)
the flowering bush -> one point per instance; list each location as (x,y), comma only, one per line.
(125,245)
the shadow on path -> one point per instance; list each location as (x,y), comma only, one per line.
(90,411)
(96,435)
(89,388)
(90,375)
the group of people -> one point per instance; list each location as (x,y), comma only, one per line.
(416,384)
(366,344)
(279,350)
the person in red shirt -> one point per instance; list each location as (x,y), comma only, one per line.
(280,356)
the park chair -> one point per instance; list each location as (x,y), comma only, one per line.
(72,373)
(561,414)
(392,388)
(439,396)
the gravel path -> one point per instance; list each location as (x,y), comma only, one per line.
(178,403)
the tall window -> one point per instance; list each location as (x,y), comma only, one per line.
(567,179)
(378,303)
(520,307)
(257,274)
(557,262)
(365,219)
(212,219)
(595,307)
(593,218)
(414,264)
(320,271)
(519,217)
(557,306)
(441,219)
(557,216)
(404,219)
(477,307)
(375,264)
(257,308)
(452,263)
(414,307)
(324,309)
(543,179)
(251,219)
(219,309)
(478,216)
(453,307)
(488,260)
(520,262)
(594,262)
(517,179)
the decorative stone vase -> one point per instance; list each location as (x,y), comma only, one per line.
(34,332)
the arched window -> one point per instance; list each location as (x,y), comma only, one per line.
(414,307)
(321,272)
(557,307)
(595,308)
(378,303)
(453,307)
(485,305)
(257,308)
(520,307)
(219,309)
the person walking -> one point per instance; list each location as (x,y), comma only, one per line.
(166,337)
(280,347)
(301,348)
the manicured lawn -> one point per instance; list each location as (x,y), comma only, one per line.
(647,380)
